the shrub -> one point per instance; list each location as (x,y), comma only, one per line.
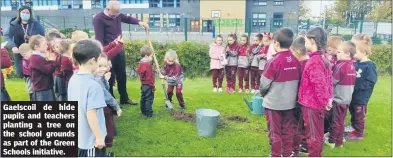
(67,31)
(347,37)
(382,57)
(376,40)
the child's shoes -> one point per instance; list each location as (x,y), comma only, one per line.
(214,89)
(220,90)
(240,91)
(352,136)
(247,91)
(252,91)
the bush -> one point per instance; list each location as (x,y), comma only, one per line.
(67,31)
(193,57)
(382,57)
(347,37)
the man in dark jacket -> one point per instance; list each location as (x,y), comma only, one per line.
(107,27)
(21,28)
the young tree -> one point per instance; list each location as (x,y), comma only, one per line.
(304,11)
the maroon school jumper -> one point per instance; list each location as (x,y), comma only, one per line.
(299,136)
(280,80)
(231,68)
(5,63)
(344,77)
(41,72)
(262,64)
(316,88)
(255,54)
(174,76)
(66,69)
(243,67)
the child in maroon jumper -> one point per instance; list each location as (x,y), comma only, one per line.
(255,58)
(146,75)
(64,69)
(173,73)
(332,46)
(42,68)
(5,63)
(344,75)
(266,41)
(26,51)
(114,47)
(366,78)
(298,49)
(243,64)
(232,53)
(216,54)
(281,73)
(316,90)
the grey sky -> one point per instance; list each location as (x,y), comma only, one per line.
(315,5)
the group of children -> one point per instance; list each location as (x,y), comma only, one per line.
(309,80)
(245,60)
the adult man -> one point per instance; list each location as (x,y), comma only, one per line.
(107,27)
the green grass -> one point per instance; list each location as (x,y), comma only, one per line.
(164,136)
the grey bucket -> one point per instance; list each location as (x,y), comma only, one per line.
(206,121)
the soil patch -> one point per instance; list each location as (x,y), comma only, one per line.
(181,115)
(237,118)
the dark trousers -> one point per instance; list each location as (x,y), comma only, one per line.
(358,118)
(147,98)
(339,112)
(299,131)
(179,94)
(313,123)
(119,73)
(231,76)
(44,95)
(110,126)
(242,74)
(4,95)
(94,152)
(255,78)
(217,75)
(31,96)
(327,121)
(280,125)
(18,65)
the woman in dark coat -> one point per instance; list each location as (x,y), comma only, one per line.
(21,28)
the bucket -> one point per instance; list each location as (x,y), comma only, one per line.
(206,122)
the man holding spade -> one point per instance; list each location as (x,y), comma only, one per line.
(107,27)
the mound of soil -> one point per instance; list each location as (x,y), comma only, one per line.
(181,115)
(238,119)
(189,117)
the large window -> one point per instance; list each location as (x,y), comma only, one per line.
(178,3)
(258,19)
(154,3)
(174,20)
(131,1)
(71,4)
(154,20)
(95,3)
(260,2)
(168,3)
(278,19)
(278,2)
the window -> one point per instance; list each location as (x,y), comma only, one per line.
(174,20)
(154,20)
(278,2)
(154,3)
(178,3)
(95,3)
(260,2)
(278,19)
(77,4)
(258,19)
(132,1)
(168,3)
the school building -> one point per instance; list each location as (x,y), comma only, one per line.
(201,15)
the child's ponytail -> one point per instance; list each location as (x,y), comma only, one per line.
(319,36)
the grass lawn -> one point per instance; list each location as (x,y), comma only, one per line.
(165,136)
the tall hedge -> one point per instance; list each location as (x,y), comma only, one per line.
(195,60)
(382,57)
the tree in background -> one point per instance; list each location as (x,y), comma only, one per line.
(381,11)
(350,10)
(304,11)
